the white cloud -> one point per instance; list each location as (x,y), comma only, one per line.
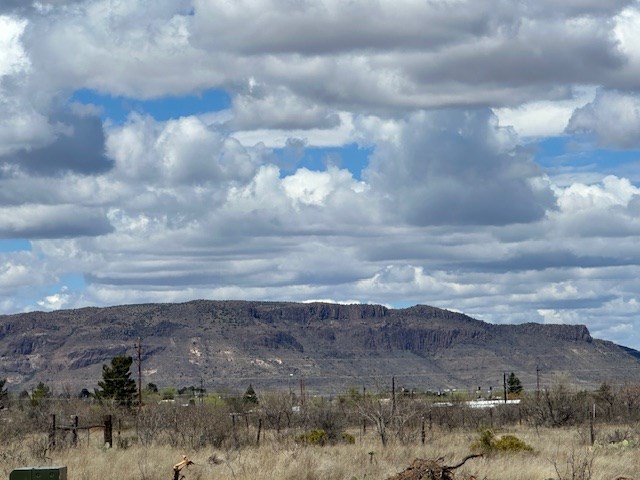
(543,118)
(279,110)
(612,192)
(458,168)
(13,58)
(451,209)
(612,117)
(341,134)
(55,301)
(45,221)
(312,188)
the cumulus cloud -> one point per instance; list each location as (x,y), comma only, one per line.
(451,209)
(278,110)
(459,168)
(333,55)
(613,118)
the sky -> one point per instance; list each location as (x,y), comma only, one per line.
(480,156)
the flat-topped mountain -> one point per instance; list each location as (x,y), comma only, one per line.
(273,345)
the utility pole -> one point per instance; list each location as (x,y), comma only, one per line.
(537,383)
(138,347)
(504,382)
(302,391)
(393,395)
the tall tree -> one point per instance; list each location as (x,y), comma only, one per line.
(117,384)
(514,385)
(250,396)
(40,393)
(4,394)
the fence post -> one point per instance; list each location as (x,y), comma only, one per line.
(259,431)
(592,418)
(108,431)
(74,431)
(52,432)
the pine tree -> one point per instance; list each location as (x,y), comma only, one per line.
(117,384)
(4,394)
(40,393)
(513,384)
(250,395)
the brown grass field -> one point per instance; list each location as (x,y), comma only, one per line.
(559,453)
(557,434)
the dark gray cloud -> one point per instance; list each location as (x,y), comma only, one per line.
(539,54)
(320,28)
(455,167)
(78,148)
(60,221)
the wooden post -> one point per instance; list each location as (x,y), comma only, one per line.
(233,424)
(74,430)
(138,347)
(52,432)
(108,431)
(393,396)
(504,383)
(423,434)
(259,431)
(592,418)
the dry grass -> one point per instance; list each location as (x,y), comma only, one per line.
(558,454)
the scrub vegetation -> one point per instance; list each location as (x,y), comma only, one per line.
(557,433)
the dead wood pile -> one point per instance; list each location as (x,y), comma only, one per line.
(421,469)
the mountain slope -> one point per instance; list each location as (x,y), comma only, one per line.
(229,344)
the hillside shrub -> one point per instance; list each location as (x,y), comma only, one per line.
(511,443)
(319,437)
(487,442)
(314,437)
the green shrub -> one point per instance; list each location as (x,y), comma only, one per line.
(510,443)
(487,442)
(313,437)
(320,437)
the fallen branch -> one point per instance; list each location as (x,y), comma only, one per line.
(179,466)
(421,469)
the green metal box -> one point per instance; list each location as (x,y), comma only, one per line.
(39,473)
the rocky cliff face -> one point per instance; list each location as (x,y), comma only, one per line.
(228,344)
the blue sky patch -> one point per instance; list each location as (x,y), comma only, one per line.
(560,154)
(351,157)
(19,245)
(117,109)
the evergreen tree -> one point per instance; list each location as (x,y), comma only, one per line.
(152,388)
(117,384)
(513,384)
(4,394)
(41,392)
(250,395)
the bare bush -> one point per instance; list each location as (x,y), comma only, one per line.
(574,465)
